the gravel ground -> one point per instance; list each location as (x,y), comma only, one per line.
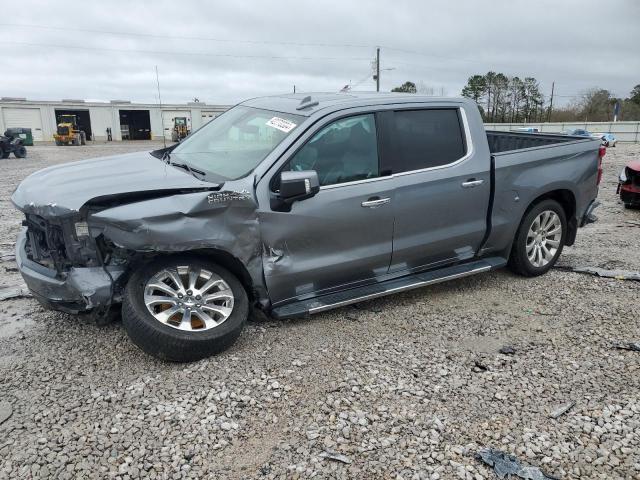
(409,386)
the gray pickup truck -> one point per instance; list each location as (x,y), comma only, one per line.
(295,205)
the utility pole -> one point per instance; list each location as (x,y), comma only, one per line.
(294,89)
(378,69)
(553,84)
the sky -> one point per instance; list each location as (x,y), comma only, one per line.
(224,52)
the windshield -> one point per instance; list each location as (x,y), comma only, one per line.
(233,144)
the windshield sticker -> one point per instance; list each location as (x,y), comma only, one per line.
(281,124)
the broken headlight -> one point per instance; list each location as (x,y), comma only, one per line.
(623,176)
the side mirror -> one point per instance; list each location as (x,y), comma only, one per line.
(298,185)
(295,186)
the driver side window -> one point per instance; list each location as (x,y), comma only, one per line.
(343,151)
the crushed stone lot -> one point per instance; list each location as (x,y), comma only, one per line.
(410,386)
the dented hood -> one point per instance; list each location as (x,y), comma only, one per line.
(63,189)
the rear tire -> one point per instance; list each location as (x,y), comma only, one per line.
(176,339)
(536,249)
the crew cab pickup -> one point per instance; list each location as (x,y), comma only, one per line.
(295,205)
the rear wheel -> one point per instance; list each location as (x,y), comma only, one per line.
(539,240)
(184,308)
(20,152)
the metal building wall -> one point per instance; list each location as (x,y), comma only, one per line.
(104,115)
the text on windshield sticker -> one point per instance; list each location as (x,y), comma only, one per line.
(281,124)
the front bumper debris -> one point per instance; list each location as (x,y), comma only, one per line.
(73,291)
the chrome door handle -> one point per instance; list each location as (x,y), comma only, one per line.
(472,183)
(375,203)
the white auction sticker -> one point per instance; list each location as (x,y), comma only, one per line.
(281,124)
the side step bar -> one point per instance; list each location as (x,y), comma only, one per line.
(354,295)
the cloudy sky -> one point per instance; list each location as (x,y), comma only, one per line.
(223,52)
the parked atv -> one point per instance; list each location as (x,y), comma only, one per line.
(12,144)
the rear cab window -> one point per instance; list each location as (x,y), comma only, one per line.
(424,138)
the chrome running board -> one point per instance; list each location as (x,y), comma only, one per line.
(369,292)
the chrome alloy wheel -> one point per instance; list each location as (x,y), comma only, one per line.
(188,298)
(543,238)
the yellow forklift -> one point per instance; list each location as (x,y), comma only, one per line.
(180,129)
(68,132)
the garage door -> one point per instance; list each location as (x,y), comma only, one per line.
(169,115)
(24,118)
(208,116)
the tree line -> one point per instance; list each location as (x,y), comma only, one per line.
(505,99)
(597,105)
(501,98)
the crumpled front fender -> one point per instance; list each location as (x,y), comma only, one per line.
(223,220)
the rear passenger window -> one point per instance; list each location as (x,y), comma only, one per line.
(426,138)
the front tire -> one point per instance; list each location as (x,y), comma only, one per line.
(20,152)
(539,240)
(184,308)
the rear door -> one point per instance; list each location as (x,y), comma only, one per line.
(442,187)
(342,236)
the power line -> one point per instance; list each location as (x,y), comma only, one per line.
(182,37)
(432,55)
(234,40)
(250,42)
(245,41)
(199,54)
(361,81)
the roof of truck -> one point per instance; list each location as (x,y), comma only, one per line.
(309,103)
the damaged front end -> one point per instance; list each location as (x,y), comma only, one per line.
(80,260)
(629,184)
(63,267)
(88,223)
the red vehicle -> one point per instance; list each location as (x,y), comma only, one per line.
(629,185)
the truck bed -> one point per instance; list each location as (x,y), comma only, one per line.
(522,162)
(509,141)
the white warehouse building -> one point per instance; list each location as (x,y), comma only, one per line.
(127,120)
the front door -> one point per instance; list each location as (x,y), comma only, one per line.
(341,237)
